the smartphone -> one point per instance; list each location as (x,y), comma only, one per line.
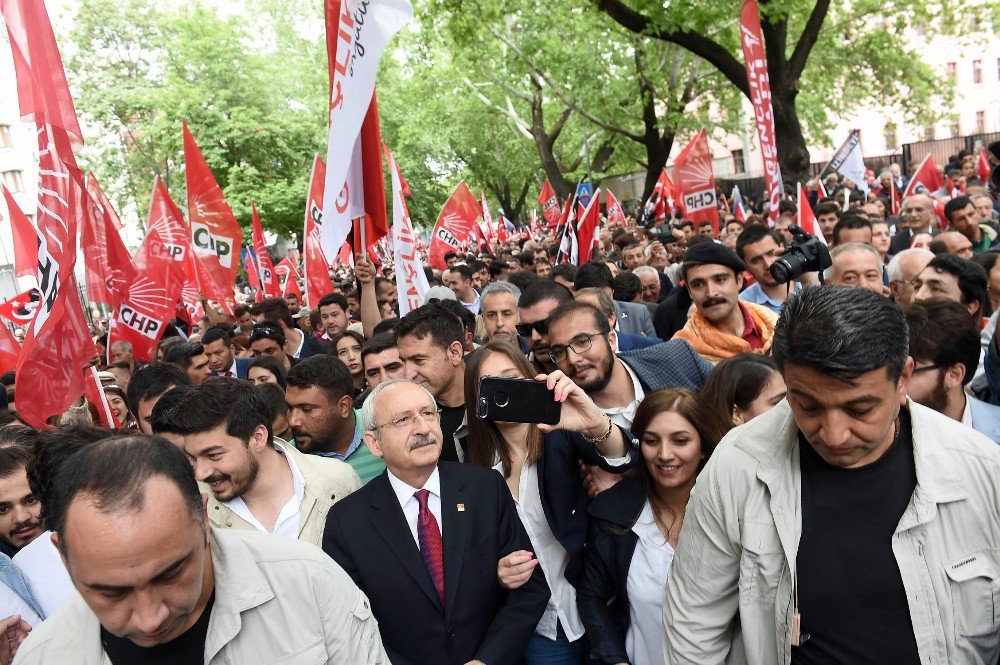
(511,400)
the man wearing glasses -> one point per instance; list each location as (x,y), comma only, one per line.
(423,541)
(533,308)
(916,215)
(582,347)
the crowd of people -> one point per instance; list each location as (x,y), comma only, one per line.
(745,468)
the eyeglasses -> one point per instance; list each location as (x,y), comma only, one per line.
(524,329)
(428,415)
(930,367)
(578,344)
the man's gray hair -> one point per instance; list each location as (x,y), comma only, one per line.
(896,263)
(122,344)
(646,270)
(368,417)
(854,246)
(605,303)
(500,287)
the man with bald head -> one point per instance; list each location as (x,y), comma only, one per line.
(952,242)
(916,216)
(903,269)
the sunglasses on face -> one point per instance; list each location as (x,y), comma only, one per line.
(524,329)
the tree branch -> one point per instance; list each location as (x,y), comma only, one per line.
(808,39)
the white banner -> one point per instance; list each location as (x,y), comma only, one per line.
(411,280)
(365,28)
(849,162)
(348,206)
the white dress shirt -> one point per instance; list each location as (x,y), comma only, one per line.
(647,587)
(46,575)
(623,415)
(289,519)
(410,505)
(552,557)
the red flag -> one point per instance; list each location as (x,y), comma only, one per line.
(661,202)
(10,350)
(216,236)
(250,266)
(926,177)
(807,220)
(894,197)
(760,97)
(269,282)
(314,261)
(983,166)
(287,270)
(588,230)
(550,205)
(101,199)
(454,225)
(94,392)
(820,189)
(695,182)
(25,238)
(613,208)
(21,308)
(108,263)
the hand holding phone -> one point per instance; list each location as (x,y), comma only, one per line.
(511,400)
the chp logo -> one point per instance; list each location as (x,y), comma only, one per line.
(21,308)
(206,243)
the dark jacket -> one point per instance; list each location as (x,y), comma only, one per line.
(903,238)
(312,346)
(672,312)
(367,534)
(627,342)
(670,364)
(242,366)
(602,593)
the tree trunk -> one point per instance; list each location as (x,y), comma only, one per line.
(793,154)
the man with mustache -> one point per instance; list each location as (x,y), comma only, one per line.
(423,539)
(723,326)
(255,481)
(321,413)
(533,308)
(19,507)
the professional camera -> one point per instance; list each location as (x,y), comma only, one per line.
(804,254)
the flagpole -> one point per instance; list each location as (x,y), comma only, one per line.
(364,243)
(798,204)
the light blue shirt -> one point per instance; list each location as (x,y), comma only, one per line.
(755,294)
(358,438)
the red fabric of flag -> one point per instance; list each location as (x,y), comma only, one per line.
(10,350)
(695,182)
(926,180)
(109,267)
(25,238)
(454,225)
(550,205)
(314,261)
(588,230)
(269,281)
(613,208)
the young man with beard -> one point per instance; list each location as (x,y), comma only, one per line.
(320,412)
(19,507)
(255,481)
(723,326)
(533,309)
(944,345)
(582,343)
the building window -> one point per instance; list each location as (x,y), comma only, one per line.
(980,122)
(953,72)
(977,72)
(5,141)
(739,166)
(14,181)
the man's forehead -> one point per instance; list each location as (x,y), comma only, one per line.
(707,270)
(538,311)
(401,397)
(500,299)
(382,357)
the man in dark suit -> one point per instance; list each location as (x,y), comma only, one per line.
(222,354)
(916,215)
(423,541)
(633,318)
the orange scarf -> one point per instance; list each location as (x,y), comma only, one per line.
(714,345)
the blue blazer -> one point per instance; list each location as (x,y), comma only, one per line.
(629,342)
(242,366)
(670,364)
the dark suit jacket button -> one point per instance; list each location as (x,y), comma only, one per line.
(451,633)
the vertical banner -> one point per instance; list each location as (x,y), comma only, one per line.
(411,281)
(314,262)
(588,230)
(760,96)
(695,182)
(454,225)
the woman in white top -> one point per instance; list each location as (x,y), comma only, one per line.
(634,528)
(542,467)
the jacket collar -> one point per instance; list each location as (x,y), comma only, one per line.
(620,505)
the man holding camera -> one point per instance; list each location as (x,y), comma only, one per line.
(723,326)
(758,247)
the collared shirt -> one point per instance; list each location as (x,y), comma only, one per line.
(231,371)
(751,334)
(623,415)
(410,505)
(647,587)
(967,413)
(756,294)
(551,555)
(366,465)
(288,521)
(474,305)
(355,443)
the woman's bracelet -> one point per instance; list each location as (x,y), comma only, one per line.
(603,437)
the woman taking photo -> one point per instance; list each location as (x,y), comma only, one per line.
(743,387)
(541,466)
(635,524)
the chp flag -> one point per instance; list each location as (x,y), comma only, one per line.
(411,280)
(695,182)
(848,161)
(314,262)
(265,266)
(755,60)
(357,33)
(613,208)
(550,205)
(287,271)
(454,225)
(109,267)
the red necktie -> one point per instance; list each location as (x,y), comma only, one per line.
(429,537)
(229,374)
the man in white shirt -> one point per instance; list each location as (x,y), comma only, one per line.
(459,280)
(423,540)
(255,481)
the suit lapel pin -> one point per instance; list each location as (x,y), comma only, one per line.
(461,507)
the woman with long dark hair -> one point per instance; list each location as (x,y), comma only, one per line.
(541,466)
(743,387)
(635,525)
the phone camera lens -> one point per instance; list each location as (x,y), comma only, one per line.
(501,398)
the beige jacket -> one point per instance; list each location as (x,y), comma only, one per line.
(327,481)
(277,601)
(742,528)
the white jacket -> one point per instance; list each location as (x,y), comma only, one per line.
(741,534)
(277,601)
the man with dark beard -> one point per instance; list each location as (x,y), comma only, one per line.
(255,481)
(944,345)
(321,413)
(580,344)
